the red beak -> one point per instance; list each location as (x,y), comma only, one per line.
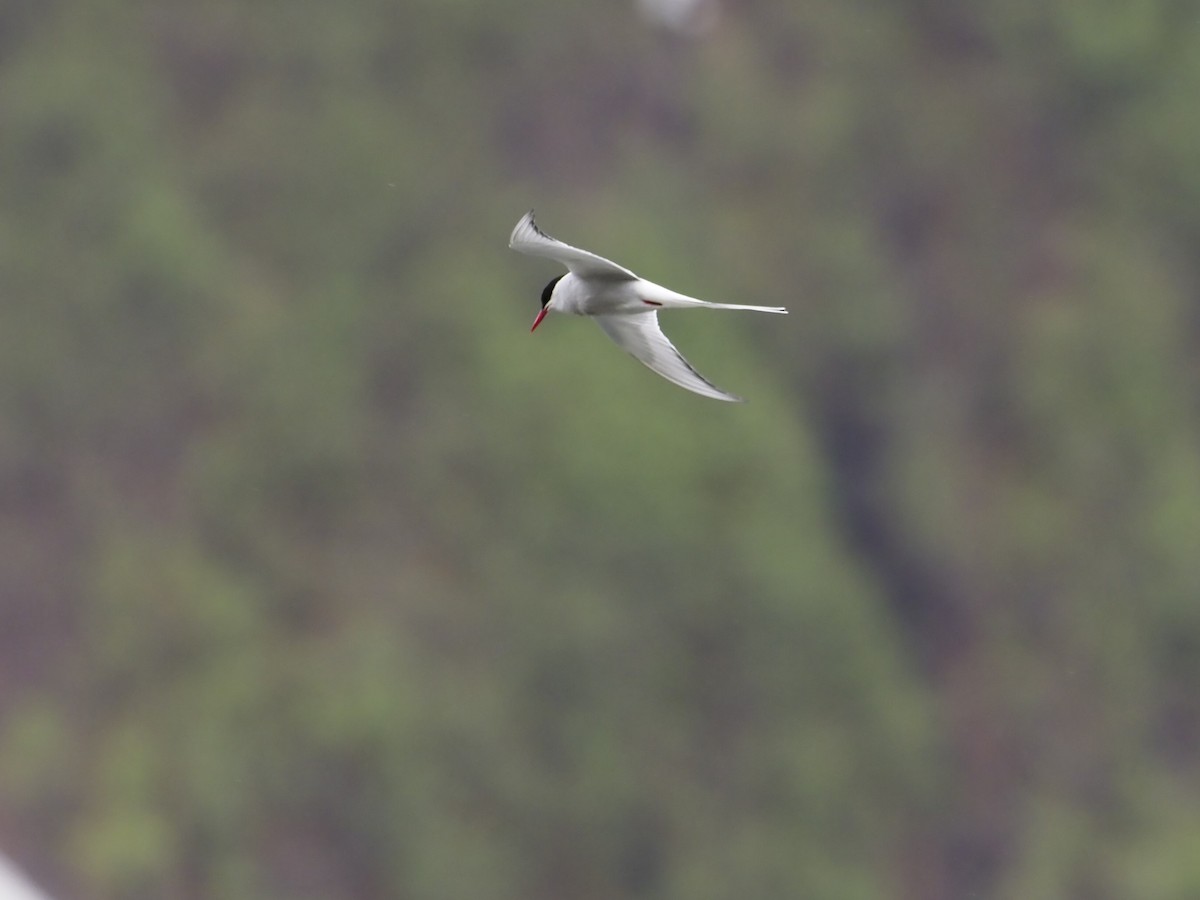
(538,321)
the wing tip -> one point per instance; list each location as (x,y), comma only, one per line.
(725,395)
(526,221)
(714,392)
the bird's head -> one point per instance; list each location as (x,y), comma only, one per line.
(547,293)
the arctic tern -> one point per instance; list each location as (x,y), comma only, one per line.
(621,303)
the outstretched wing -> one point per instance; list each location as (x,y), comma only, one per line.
(528,238)
(640,336)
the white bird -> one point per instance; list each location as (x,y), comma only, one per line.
(621,303)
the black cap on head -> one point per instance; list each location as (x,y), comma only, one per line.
(548,290)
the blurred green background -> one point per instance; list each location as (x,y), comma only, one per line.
(321,578)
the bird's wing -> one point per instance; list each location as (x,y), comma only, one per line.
(639,336)
(528,238)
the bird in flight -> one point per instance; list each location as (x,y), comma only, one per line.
(622,304)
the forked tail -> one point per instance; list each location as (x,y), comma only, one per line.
(767,309)
(656,295)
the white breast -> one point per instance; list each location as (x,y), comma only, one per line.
(595,297)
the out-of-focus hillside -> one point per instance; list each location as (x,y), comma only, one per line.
(321,578)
